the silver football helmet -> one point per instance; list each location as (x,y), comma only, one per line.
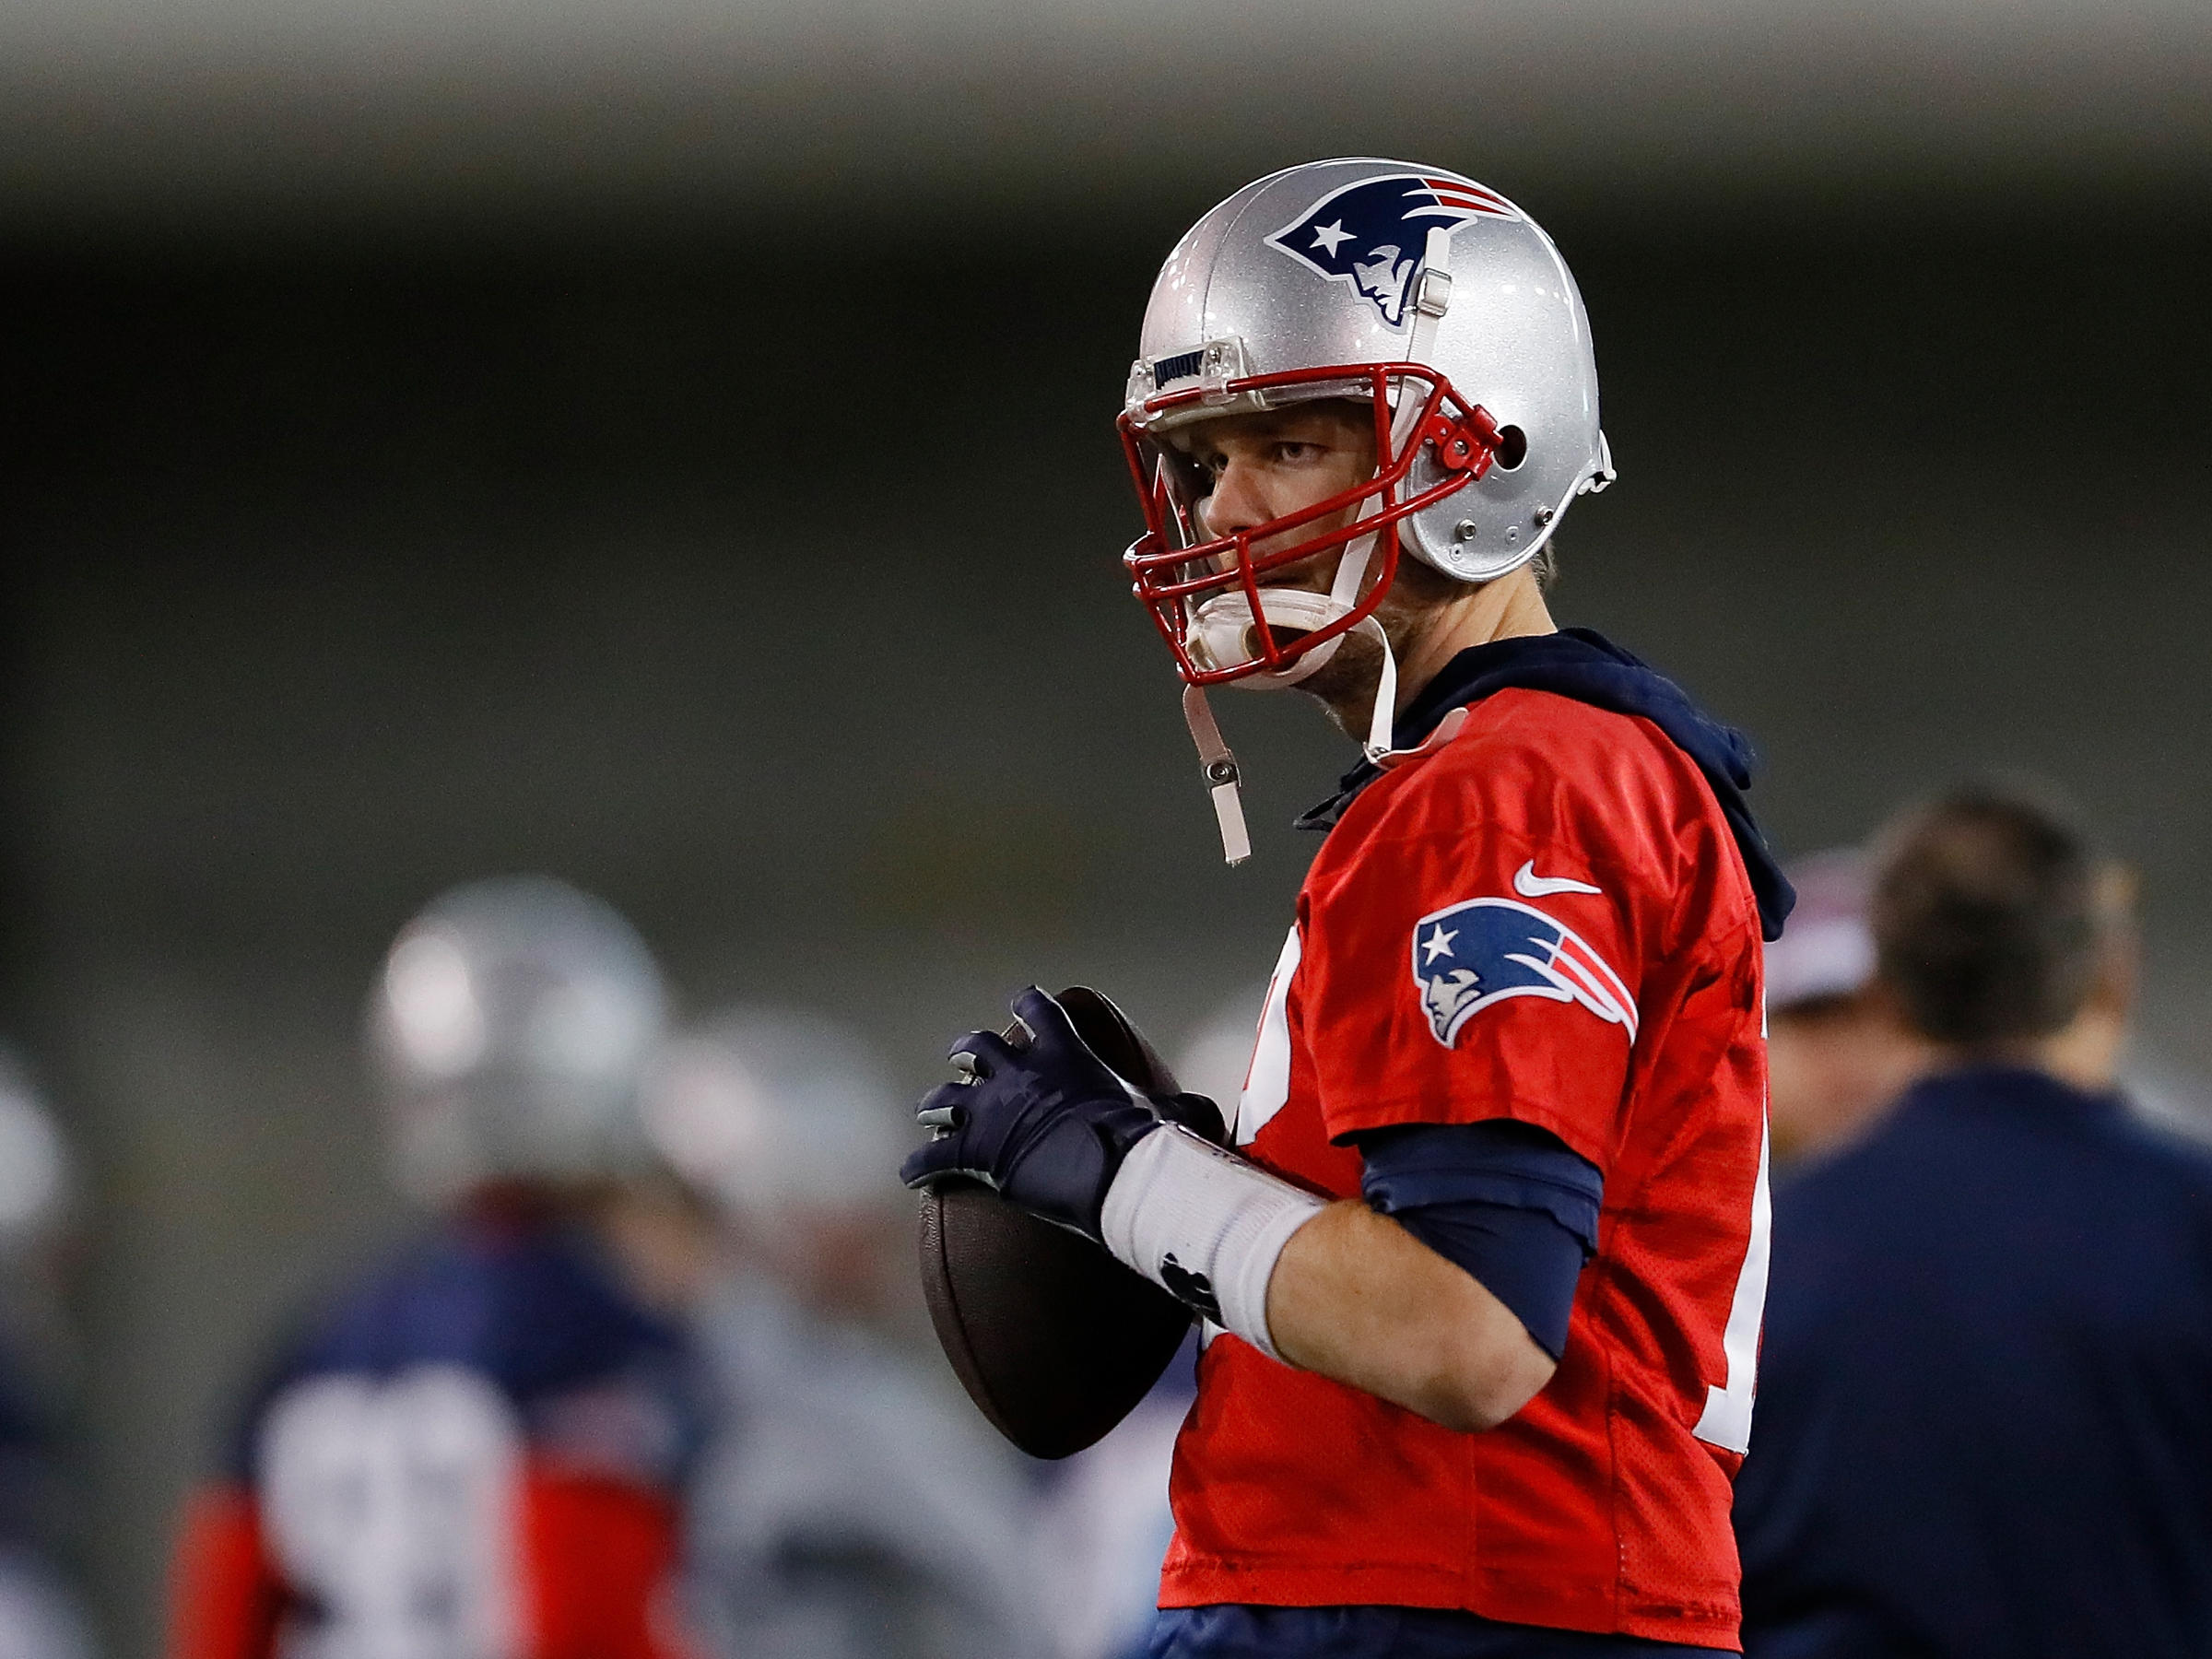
(37,1181)
(1429,296)
(509,1032)
(767,1110)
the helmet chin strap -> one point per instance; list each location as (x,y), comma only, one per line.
(1381,724)
(1383,716)
(1222,775)
(1225,619)
(1282,607)
(1224,781)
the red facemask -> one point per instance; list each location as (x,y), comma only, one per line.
(1175,569)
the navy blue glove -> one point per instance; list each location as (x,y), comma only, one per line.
(1046,1123)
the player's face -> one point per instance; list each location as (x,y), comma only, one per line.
(1267,465)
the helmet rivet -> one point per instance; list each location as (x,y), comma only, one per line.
(1464,530)
(1513,532)
(1543,517)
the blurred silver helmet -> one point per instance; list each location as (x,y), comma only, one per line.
(1420,291)
(37,1183)
(509,1032)
(771,1110)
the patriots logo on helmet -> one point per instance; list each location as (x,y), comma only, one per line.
(1372,235)
(1472,955)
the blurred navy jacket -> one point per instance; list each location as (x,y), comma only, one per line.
(1985,1416)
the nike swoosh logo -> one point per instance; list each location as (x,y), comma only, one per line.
(1530,884)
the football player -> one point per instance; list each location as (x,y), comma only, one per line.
(41,1616)
(841,1508)
(471,1453)
(1483,1268)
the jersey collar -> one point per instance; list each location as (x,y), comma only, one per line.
(1581,664)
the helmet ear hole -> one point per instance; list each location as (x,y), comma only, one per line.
(1513,447)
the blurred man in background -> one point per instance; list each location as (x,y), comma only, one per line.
(1985,1421)
(845,1508)
(41,1617)
(1838,1051)
(471,1454)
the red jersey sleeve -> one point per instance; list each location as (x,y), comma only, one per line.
(598,1559)
(225,1598)
(1480,952)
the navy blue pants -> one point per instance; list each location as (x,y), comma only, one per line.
(1239,1633)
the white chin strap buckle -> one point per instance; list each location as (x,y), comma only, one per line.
(1221,776)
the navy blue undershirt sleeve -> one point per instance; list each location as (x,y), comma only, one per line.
(1506,1201)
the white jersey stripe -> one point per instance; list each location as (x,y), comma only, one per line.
(1268,1084)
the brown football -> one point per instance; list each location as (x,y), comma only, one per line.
(1053,1339)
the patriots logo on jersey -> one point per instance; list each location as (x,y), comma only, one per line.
(1372,235)
(1472,955)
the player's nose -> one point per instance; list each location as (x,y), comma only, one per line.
(1236,505)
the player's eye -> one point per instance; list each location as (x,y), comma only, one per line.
(1295,452)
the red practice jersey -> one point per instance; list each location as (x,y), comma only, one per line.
(1546,920)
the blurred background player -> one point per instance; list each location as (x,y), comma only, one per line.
(846,1506)
(470,1454)
(39,1614)
(1983,1424)
(1837,1049)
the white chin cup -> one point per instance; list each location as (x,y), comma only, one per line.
(1221,633)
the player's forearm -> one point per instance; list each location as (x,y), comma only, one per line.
(1358,1299)
(1329,1287)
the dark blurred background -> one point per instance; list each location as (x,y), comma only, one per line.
(673,449)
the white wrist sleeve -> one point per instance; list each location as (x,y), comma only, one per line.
(1204,1224)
